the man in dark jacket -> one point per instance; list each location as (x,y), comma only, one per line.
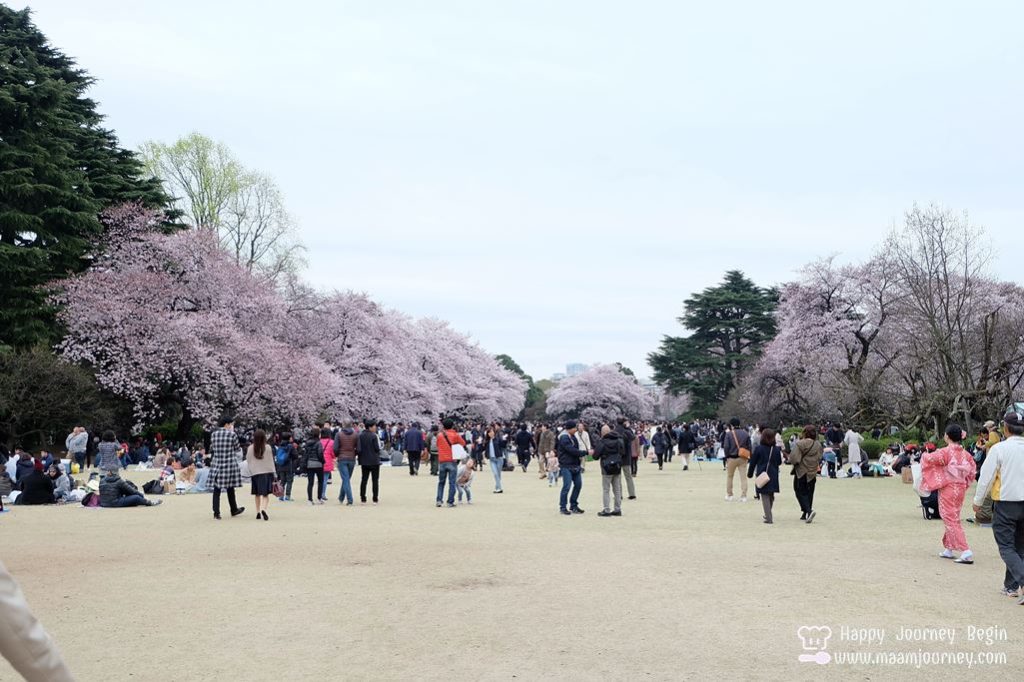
(568,450)
(524,446)
(611,452)
(22,467)
(413,446)
(117,492)
(661,445)
(36,486)
(629,466)
(368,449)
(345,445)
(732,440)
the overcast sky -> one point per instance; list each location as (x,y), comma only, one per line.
(555,177)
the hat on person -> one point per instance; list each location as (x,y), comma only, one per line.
(1013,418)
(571,424)
(990,424)
(93,485)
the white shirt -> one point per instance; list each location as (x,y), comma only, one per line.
(1003,472)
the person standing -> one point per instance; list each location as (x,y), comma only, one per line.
(106,453)
(432,446)
(610,452)
(412,443)
(568,449)
(1002,475)
(524,446)
(225,473)
(286,457)
(686,445)
(632,455)
(494,450)
(327,441)
(260,458)
(368,449)
(447,467)
(545,444)
(312,462)
(345,444)
(76,444)
(660,443)
(805,456)
(950,471)
(766,458)
(583,438)
(853,442)
(733,440)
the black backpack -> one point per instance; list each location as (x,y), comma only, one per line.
(611,463)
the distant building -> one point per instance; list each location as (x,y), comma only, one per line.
(575,369)
(557,376)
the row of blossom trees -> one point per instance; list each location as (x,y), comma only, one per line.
(174,325)
(919,334)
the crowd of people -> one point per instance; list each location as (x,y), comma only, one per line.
(453,453)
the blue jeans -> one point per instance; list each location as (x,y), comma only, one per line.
(346,468)
(496,464)
(446,470)
(323,488)
(129,501)
(574,477)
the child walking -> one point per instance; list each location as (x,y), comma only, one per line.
(552,468)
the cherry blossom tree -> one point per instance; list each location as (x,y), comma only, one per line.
(600,394)
(170,323)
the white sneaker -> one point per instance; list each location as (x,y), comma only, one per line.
(743,499)
(728,498)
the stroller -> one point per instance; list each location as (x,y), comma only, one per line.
(929,499)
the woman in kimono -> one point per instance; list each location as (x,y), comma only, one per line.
(950,471)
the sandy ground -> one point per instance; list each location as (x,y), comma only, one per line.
(684,585)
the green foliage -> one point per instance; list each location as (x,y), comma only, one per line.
(58,168)
(535,396)
(729,325)
(41,395)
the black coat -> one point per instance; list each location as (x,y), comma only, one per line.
(568,449)
(36,488)
(610,448)
(660,443)
(524,442)
(368,449)
(769,458)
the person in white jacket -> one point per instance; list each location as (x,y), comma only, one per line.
(853,441)
(23,641)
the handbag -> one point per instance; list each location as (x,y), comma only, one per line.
(458,452)
(764,478)
(277,489)
(742,452)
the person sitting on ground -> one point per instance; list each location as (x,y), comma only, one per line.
(36,487)
(61,483)
(160,460)
(117,492)
(23,467)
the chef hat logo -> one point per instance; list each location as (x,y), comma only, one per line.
(814,638)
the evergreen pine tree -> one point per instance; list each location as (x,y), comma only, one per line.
(58,169)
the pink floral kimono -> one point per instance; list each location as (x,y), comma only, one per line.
(950,471)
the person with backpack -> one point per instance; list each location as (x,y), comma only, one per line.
(447,466)
(610,452)
(312,460)
(285,457)
(368,450)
